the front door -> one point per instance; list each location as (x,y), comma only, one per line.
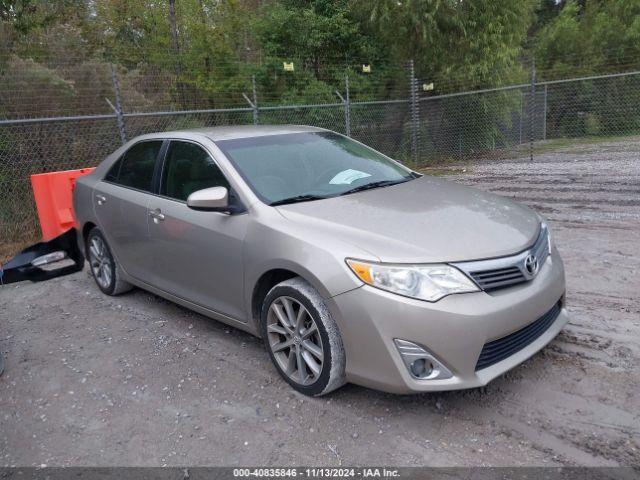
(197,254)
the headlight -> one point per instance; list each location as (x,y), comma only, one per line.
(424,282)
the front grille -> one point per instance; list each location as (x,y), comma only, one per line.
(498,277)
(497,350)
(503,272)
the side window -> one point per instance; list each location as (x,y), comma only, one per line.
(112,175)
(136,166)
(189,168)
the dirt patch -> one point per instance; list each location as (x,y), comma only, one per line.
(136,380)
(8,250)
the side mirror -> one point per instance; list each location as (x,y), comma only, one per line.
(215,199)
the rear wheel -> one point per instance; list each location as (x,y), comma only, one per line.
(302,338)
(104,268)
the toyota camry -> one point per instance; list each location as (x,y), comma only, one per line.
(349,265)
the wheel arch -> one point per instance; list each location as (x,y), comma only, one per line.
(273,276)
(86,228)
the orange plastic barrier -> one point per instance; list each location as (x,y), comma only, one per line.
(53,194)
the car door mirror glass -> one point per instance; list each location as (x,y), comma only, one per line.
(214,199)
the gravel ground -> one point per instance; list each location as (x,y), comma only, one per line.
(136,380)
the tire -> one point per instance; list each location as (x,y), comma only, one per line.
(104,269)
(294,343)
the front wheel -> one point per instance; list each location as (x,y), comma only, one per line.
(302,338)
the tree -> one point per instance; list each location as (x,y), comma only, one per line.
(28,15)
(588,37)
(325,39)
(458,44)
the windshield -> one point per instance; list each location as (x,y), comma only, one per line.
(309,166)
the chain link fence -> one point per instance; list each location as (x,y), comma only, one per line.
(72,116)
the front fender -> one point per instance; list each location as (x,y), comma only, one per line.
(320,261)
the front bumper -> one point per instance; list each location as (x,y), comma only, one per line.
(453,329)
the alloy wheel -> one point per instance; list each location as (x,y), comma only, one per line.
(100,261)
(294,340)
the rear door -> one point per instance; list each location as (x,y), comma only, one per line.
(198,254)
(121,203)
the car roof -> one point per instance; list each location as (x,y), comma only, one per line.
(242,131)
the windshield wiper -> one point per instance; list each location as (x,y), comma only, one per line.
(379,183)
(296,199)
(311,197)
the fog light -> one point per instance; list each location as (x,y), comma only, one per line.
(421,364)
(421,368)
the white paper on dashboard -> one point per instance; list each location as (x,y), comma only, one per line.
(347,177)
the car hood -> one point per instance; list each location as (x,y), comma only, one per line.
(423,220)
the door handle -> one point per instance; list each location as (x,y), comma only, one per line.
(101,199)
(157,215)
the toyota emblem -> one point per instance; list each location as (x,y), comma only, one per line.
(531,265)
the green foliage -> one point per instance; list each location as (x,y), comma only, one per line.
(66,48)
(456,44)
(589,38)
(584,39)
(323,39)
(27,16)
(19,75)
